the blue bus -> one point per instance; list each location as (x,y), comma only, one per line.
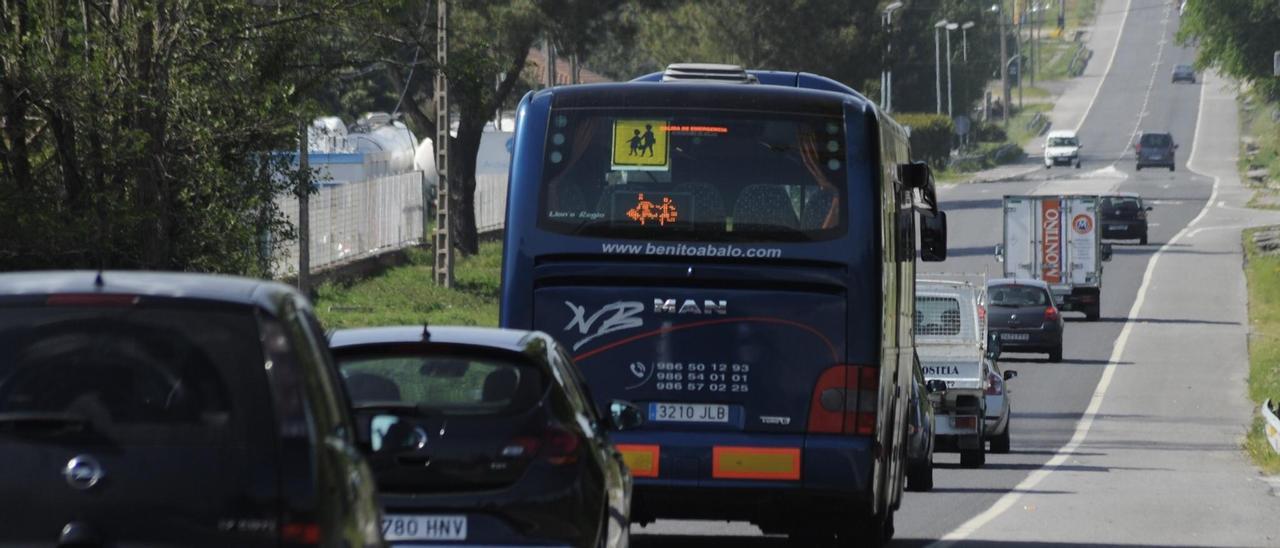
(734,252)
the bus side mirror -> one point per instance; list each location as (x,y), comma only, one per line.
(999,253)
(1106,252)
(936,386)
(933,236)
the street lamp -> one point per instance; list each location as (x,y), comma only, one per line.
(950,27)
(937,62)
(886,75)
(964,35)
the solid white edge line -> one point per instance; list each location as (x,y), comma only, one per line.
(1119,34)
(964,530)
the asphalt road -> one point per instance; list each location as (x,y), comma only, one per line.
(1116,444)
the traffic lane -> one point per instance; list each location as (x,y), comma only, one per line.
(1127,91)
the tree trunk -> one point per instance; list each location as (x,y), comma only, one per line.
(462,186)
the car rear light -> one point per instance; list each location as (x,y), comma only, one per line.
(294,534)
(995,385)
(91,299)
(982,313)
(556,445)
(1050,314)
(845,401)
(1142,215)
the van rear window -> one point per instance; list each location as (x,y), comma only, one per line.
(695,175)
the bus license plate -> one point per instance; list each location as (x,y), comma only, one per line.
(1014,336)
(688,412)
(424,527)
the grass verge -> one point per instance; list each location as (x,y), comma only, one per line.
(1260,150)
(408,295)
(1263,274)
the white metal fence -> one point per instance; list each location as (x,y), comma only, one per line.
(358,219)
(491,202)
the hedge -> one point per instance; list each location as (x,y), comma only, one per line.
(931,136)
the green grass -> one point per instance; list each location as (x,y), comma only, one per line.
(1263,273)
(1018,130)
(408,295)
(1257,124)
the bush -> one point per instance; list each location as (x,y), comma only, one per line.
(989,133)
(930,137)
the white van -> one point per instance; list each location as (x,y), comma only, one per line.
(1061,147)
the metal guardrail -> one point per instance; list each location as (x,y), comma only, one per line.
(1272,425)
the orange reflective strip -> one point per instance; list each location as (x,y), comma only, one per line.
(642,460)
(771,463)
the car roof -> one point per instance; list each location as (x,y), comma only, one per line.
(1122,195)
(1061,133)
(1145,133)
(175,285)
(1017,281)
(514,340)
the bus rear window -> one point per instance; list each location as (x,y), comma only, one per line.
(704,176)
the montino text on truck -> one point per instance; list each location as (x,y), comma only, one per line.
(739,260)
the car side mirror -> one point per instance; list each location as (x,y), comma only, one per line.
(993,346)
(1148,208)
(1106,252)
(1175,146)
(1010,374)
(936,386)
(933,236)
(624,415)
(999,252)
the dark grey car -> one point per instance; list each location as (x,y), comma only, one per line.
(1156,150)
(1124,217)
(1183,73)
(141,409)
(1023,318)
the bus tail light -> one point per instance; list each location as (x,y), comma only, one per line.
(845,401)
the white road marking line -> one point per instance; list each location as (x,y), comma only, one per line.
(1064,453)
(1110,61)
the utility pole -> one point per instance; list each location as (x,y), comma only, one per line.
(304,212)
(549,50)
(1004,66)
(444,224)
(950,27)
(937,64)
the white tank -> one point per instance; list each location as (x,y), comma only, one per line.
(376,133)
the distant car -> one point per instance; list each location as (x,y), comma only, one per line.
(1061,147)
(146,409)
(920,429)
(485,437)
(1023,317)
(1183,73)
(1156,149)
(1124,217)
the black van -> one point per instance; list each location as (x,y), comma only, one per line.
(1156,150)
(144,409)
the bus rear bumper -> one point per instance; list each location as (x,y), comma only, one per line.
(745,477)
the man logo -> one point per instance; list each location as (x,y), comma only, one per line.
(690,306)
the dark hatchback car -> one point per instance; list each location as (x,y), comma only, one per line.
(143,409)
(484,436)
(1156,150)
(1183,73)
(920,429)
(1023,318)
(1124,217)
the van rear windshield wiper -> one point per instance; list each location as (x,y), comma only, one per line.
(44,421)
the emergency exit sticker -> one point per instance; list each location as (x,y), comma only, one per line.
(640,145)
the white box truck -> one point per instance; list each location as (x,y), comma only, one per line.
(1056,239)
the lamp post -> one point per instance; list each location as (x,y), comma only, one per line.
(950,27)
(886,75)
(937,63)
(964,36)
(1004,63)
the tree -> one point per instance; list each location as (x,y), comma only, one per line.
(140,134)
(1237,37)
(489,45)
